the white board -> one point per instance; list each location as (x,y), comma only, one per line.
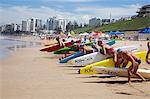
(97,56)
(120,71)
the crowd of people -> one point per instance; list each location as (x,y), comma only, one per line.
(121,58)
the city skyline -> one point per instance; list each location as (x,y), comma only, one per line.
(14,11)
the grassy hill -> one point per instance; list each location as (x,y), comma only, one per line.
(134,24)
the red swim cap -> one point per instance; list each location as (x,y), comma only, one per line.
(111,49)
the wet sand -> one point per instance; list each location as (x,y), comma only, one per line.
(31,74)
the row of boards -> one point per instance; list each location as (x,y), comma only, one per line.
(80,54)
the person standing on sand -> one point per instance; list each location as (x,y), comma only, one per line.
(135,62)
(148,52)
(60,42)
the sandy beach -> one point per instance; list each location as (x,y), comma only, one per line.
(30,74)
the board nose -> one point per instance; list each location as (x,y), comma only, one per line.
(70,62)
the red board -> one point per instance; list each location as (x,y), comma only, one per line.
(56,47)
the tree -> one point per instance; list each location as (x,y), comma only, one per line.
(69,26)
(75,25)
(85,25)
(80,25)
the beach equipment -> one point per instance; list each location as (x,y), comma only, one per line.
(65,60)
(56,47)
(97,56)
(108,63)
(81,53)
(120,71)
(71,48)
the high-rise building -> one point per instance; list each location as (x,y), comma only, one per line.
(38,24)
(52,23)
(35,24)
(15,27)
(24,25)
(32,24)
(62,24)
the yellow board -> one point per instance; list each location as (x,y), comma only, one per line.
(108,63)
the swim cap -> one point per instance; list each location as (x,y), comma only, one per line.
(111,49)
(119,50)
(81,45)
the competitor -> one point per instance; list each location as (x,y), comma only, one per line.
(148,52)
(106,49)
(135,62)
(60,42)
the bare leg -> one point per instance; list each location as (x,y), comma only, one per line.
(136,73)
(140,76)
(147,57)
(118,63)
(129,74)
(125,62)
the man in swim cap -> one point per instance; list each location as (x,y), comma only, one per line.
(95,49)
(135,62)
(117,58)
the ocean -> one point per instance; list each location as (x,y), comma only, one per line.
(9,45)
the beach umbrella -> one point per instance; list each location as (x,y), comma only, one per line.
(84,34)
(69,34)
(72,32)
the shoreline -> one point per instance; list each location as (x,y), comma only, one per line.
(31,74)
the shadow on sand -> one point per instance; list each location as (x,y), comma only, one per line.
(72,66)
(52,57)
(104,76)
(115,82)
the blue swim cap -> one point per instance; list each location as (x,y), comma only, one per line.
(81,45)
(119,50)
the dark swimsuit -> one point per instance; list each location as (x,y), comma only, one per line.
(138,60)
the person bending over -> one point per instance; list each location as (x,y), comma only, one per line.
(135,62)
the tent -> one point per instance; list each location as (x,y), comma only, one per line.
(96,33)
(115,33)
(84,34)
(146,30)
(69,34)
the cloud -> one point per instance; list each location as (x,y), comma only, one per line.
(73,0)
(15,14)
(104,12)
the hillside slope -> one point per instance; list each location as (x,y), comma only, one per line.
(134,24)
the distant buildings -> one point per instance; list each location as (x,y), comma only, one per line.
(52,23)
(144,11)
(35,24)
(106,21)
(62,24)
(94,22)
(97,22)
(55,24)
(31,25)
(124,18)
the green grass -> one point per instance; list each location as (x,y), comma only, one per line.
(134,24)
(84,29)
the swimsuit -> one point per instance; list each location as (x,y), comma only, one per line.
(138,61)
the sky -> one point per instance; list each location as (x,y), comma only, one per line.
(14,11)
